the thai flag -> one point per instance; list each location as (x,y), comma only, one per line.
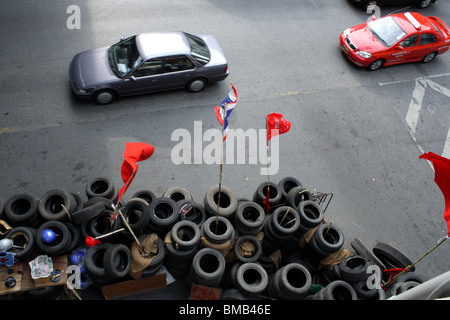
(224,111)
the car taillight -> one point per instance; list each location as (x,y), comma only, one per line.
(226,69)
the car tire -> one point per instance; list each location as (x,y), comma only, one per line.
(21,209)
(117,261)
(228,201)
(429,57)
(178,194)
(137,214)
(61,244)
(196,85)
(100,187)
(375,65)
(391,257)
(249,217)
(251,278)
(185,235)
(286,184)
(192,211)
(208,267)
(104,96)
(50,205)
(240,249)
(24,239)
(423,4)
(87,213)
(261,193)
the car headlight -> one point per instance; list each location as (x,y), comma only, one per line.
(364,54)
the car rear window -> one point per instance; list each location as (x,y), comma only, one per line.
(199,49)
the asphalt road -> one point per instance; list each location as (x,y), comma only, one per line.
(350,133)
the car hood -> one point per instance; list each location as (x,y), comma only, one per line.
(91,68)
(364,39)
(217,55)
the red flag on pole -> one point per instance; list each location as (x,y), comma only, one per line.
(276,125)
(442,178)
(134,152)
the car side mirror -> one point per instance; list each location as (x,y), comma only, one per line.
(133,78)
(400,48)
(373,17)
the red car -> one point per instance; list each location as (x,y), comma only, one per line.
(394,39)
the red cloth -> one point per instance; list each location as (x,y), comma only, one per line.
(134,152)
(442,178)
(276,121)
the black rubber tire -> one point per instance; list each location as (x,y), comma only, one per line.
(50,205)
(311,215)
(94,259)
(208,267)
(178,194)
(194,85)
(192,211)
(217,230)
(24,237)
(329,238)
(249,217)
(107,203)
(337,290)
(87,213)
(375,65)
(391,257)
(62,242)
(79,201)
(284,222)
(291,282)
(20,209)
(227,205)
(100,187)
(100,225)
(247,238)
(147,195)
(363,292)
(190,235)
(137,213)
(117,261)
(251,278)
(104,97)
(354,268)
(286,184)
(429,57)
(261,193)
(423,4)
(297,195)
(75,235)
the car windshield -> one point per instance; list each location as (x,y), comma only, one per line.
(386,30)
(124,56)
(199,49)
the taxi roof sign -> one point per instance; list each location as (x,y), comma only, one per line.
(413,20)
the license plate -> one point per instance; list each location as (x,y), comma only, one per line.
(344,48)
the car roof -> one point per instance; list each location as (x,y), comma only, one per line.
(155,44)
(412,22)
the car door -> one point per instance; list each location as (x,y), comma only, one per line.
(145,78)
(403,51)
(426,45)
(178,70)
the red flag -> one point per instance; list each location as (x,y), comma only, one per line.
(276,124)
(442,178)
(91,242)
(266,202)
(134,152)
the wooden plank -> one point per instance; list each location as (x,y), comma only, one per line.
(125,288)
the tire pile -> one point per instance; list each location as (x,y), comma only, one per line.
(235,246)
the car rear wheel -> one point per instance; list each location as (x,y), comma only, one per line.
(196,85)
(424,3)
(104,97)
(377,64)
(429,57)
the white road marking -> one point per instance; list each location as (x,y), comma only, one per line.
(412,117)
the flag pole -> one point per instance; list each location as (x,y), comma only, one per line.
(220,167)
(394,278)
(267,163)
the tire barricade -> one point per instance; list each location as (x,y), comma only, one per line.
(291,252)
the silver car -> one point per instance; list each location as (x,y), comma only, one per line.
(148,62)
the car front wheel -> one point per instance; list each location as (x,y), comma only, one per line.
(429,57)
(104,97)
(377,64)
(196,85)
(424,3)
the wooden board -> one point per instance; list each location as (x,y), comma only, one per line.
(125,288)
(22,274)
